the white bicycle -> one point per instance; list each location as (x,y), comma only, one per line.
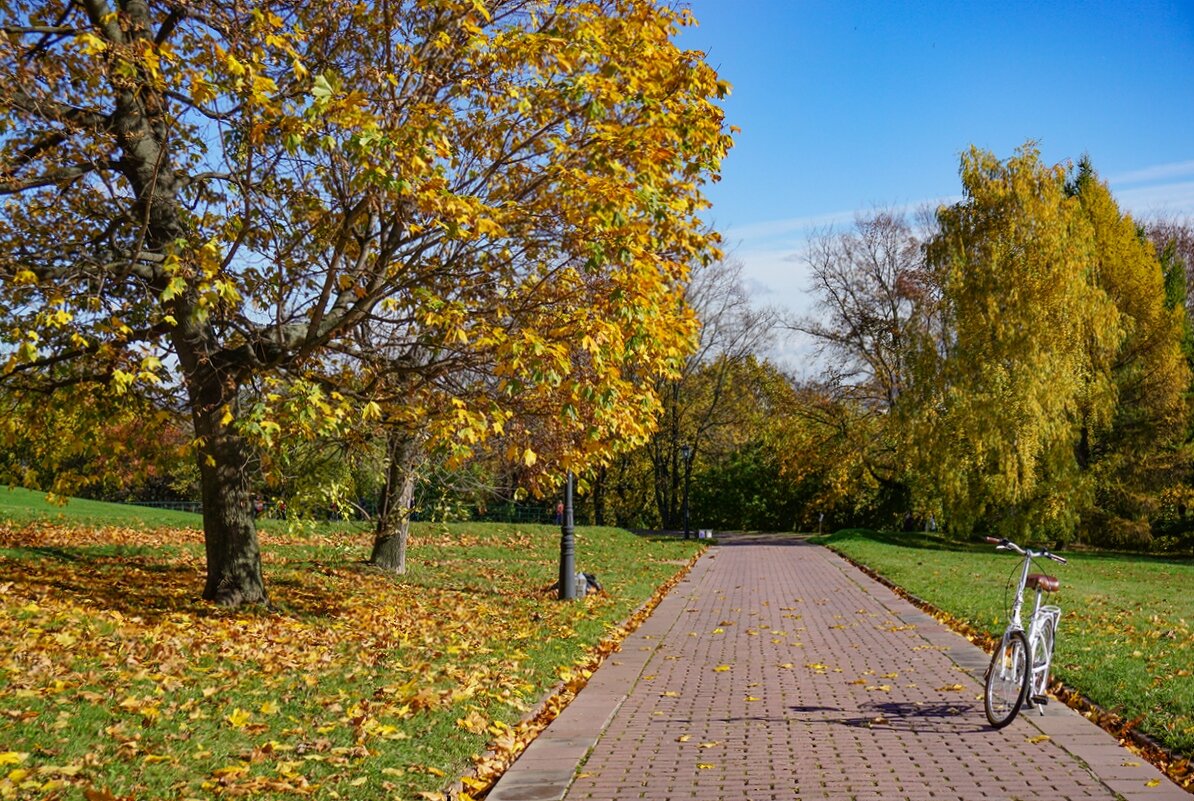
(1019,671)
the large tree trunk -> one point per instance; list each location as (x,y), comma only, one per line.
(143,132)
(393,517)
(230,533)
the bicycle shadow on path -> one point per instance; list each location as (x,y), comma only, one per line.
(904,716)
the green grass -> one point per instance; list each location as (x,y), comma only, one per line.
(115,677)
(1126,639)
(26,506)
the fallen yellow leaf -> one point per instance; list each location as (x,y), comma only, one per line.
(1153,783)
(1040,738)
(721,668)
(473,722)
(239,718)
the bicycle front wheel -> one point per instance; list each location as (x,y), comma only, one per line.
(1007,679)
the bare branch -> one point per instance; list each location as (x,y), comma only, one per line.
(56,111)
(51,30)
(52,178)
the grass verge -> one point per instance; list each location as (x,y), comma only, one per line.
(117,682)
(1126,639)
(27,506)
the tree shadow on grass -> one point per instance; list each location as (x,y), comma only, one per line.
(923,540)
(151,588)
(919,540)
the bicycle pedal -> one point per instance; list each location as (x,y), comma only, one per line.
(1039,700)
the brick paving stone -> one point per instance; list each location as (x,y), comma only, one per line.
(776,670)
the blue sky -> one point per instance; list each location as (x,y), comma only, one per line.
(851,106)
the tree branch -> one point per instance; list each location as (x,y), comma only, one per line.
(177,13)
(59,176)
(49,30)
(56,111)
(102,17)
(34,150)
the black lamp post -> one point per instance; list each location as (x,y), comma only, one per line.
(567,547)
(686,455)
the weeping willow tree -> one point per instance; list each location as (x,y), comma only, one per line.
(1019,361)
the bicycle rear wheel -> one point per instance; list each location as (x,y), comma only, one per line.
(1008,678)
(1042,659)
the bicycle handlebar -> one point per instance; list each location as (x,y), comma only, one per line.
(1011,546)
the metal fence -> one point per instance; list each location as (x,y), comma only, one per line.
(176,506)
(501,513)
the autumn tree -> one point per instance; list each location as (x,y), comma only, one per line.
(872,291)
(214,197)
(1020,365)
(1137,451)
(1173,238)
(705,398)
(876,300)
(85,442)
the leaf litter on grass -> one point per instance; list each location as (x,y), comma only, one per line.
(117,680)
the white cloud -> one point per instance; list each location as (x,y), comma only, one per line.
(776,273)
(1159,172)
(776,276)
(771,229)
(1162,200)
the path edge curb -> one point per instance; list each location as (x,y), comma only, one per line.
(556,700)
(1139,743)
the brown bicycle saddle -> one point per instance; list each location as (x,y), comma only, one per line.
(1039,581)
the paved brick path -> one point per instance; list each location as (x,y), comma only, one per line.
(778,671)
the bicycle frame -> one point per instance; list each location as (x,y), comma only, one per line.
(1039,637)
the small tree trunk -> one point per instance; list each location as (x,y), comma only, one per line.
(393,519)
(599,497)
